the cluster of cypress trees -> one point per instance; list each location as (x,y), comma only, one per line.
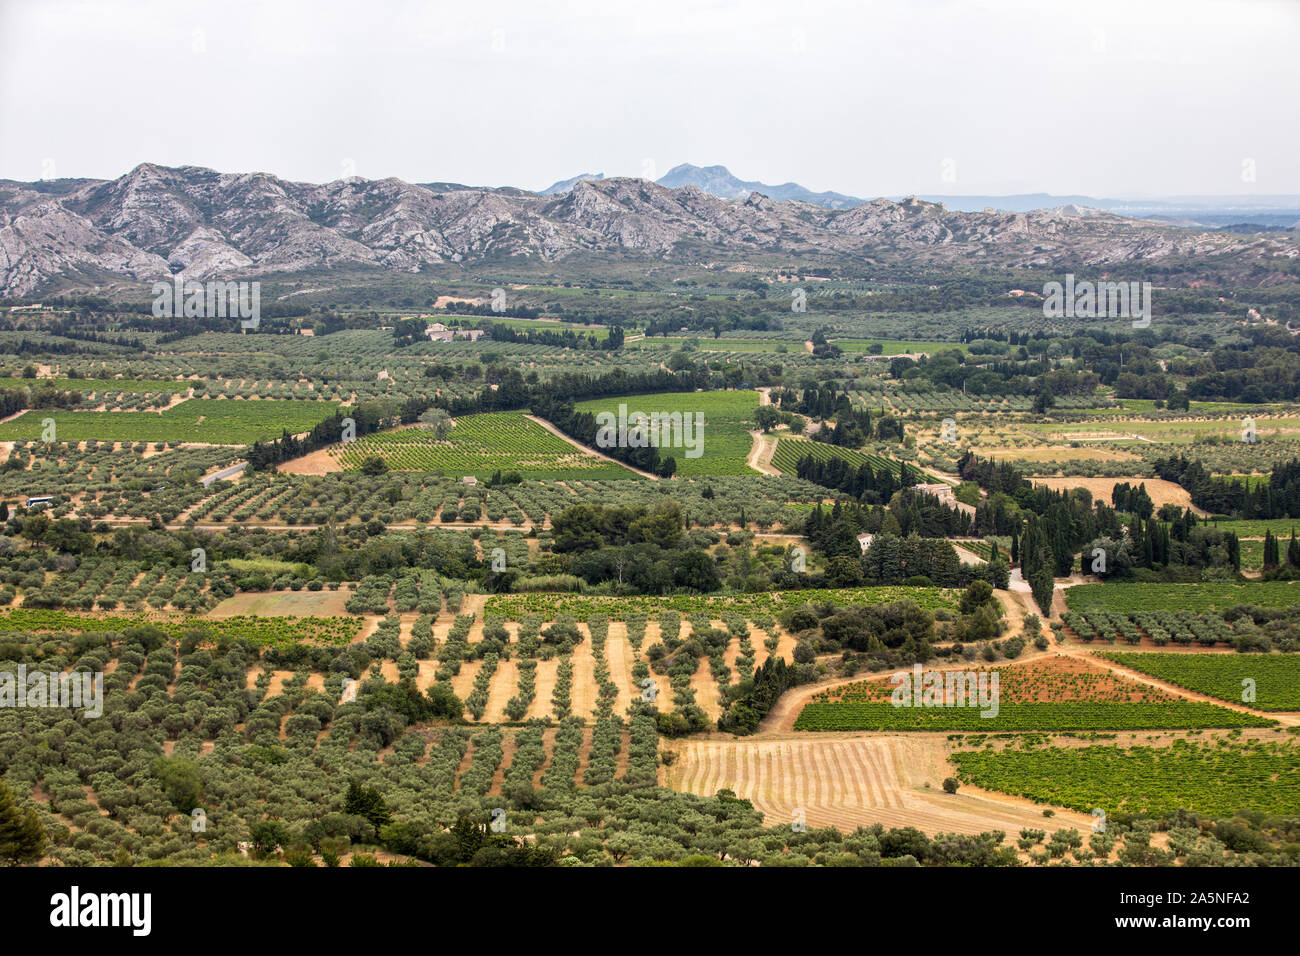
(1279,497)
(1272,551)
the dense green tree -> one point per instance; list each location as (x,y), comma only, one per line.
(22,838)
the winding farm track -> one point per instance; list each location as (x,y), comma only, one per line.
(760,455)
(1074,650)
(587,448)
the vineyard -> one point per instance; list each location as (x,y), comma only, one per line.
(480,445)
(1275,678)
(726,419)
(1057,694)
(1220,779)
(789,450)
(1080,716)
(268,631)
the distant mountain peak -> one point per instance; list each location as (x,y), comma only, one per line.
(156,222)
(564,185)
(719,181)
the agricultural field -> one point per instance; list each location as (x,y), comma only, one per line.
(1101,489)
(479,446)
(726,419)
(1058,694)
(718,345)
(1160,628)
(1128,598)
(1020,717)
(580,607)
(1169,432)
(789,450)
(374,650)
(98,385)
(257,630)
(199,420)
(1217,779)
(1265,681)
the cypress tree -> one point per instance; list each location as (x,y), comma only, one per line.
(1270,550)
(22,838)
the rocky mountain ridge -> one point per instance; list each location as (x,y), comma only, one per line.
(156,222)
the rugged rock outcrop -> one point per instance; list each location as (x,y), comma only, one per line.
(155,222)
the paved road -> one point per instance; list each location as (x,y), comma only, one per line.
(223,474)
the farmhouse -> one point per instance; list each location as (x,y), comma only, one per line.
(946,497)
(440,333)
(864,540)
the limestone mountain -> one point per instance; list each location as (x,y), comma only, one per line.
(156,222)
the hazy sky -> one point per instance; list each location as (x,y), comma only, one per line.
(1101,97)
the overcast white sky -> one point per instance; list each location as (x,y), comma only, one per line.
(1100,97)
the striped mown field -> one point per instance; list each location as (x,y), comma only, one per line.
(847,782)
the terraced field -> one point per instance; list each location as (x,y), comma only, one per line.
(479,445)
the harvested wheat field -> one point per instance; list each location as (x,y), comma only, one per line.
(316,463)
(848,782)
(1162,492)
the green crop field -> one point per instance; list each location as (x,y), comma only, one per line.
(1281,527)
(1216,780)
(1276,676)
(255,629)
(482,444)
(1217,595)
(1030,715)
(727,418)
(207,420)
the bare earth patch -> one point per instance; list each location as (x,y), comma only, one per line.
(317,463)
(283,604)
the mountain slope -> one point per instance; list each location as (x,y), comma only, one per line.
(155,222)
(564,185)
